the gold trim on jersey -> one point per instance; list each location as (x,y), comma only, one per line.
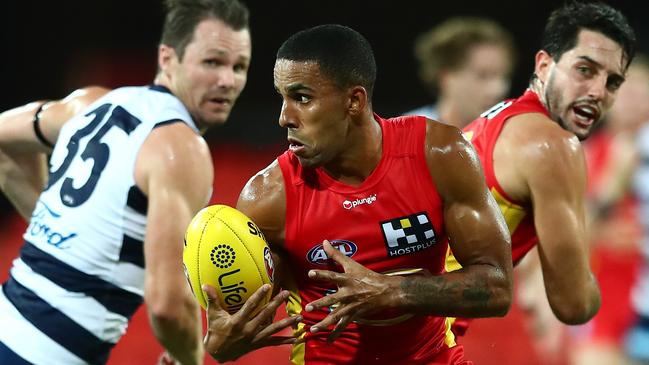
(449,336)
(513,214)
(293,308)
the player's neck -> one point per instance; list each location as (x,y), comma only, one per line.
(362,156)
(538,88)
(161,79)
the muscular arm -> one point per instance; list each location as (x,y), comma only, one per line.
(478,236)
(552,164)
(23,170)
(174,170)
(263,200)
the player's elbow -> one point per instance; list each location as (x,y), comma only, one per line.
(164,313)
(167,307)
(573,316)
(496,291)
(502,296)
(578,311)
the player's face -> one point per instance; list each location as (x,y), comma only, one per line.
(481,82)
(580,88)
(212,72)
(314,112)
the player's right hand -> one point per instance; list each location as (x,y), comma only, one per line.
(229,336)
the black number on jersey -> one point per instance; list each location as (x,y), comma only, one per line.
(95,150)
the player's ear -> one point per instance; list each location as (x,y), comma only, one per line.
(358,100)
(166,57)
(543,63)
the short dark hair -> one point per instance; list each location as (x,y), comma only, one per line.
(342,54)
(564,24)
(184,15)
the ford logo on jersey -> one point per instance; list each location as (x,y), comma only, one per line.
(41,227)
(318,256)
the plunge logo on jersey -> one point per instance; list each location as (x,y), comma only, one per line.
(410,234)
(318,256)
(349,204)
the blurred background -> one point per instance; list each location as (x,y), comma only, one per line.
(51,48)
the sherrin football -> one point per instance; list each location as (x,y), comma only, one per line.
(225,249)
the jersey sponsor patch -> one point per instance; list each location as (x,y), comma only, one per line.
(43,227)
(349,204)
(409,234)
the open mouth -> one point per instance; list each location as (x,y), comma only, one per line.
(586,114)
(295,145)
(219,101)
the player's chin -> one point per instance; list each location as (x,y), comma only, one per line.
(216,118)
(309,162)
(582,132)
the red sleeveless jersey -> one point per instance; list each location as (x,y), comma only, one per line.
(392,222)
(483,133)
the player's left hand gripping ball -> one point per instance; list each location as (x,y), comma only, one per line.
(226,250)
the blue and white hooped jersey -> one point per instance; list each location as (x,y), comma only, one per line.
(80,274)
(640,295)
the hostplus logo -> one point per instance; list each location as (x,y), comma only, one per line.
(410,234)
(349,204)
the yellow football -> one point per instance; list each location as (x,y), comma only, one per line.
(225,249)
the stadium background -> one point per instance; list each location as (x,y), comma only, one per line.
(50,48)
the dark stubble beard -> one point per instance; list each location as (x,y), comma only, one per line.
(553,103)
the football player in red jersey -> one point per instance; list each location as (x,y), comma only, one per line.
(380,198)
(530,148)
(356,204)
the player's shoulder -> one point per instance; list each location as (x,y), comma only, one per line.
(264,186)
(174,158)
(443,139)
(447,150)
(178,142)
(175,150)
(88,93)
(539,146)
(537,136)
(263,199)
(74,102)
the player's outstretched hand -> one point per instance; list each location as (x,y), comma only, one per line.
(361,292)
(231,336)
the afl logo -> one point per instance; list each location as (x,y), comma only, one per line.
(268,262)
(318,256)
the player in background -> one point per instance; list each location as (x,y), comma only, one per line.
(127,172)
(466,65)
